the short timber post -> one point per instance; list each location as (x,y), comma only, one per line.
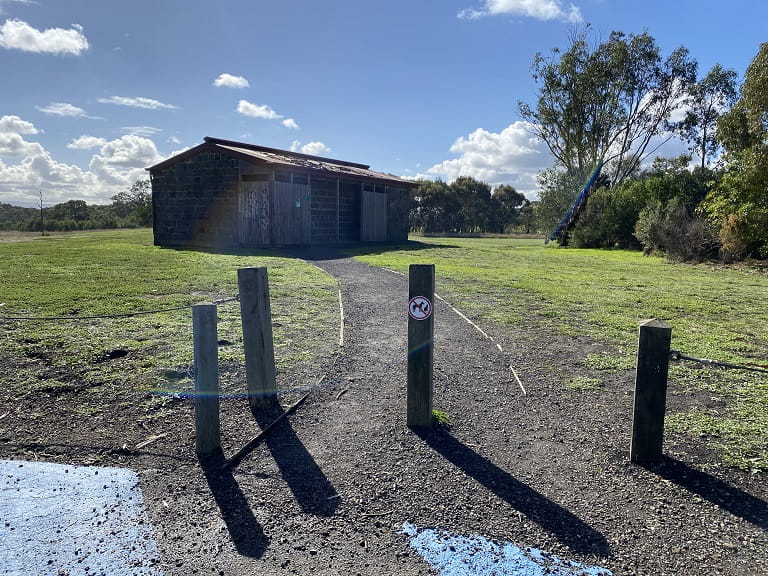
(257,337)
(650,392)
(207,430)
(421,329)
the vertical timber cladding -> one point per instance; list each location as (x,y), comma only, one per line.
(291,216)
(373,213)
(254,210)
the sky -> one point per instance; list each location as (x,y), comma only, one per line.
(95,91)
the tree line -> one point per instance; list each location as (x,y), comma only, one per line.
(129,209)
(468,206)
(617,101)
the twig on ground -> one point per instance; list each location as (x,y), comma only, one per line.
(149,440)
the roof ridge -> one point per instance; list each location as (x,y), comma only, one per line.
(257,148)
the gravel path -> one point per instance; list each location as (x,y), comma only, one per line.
(329,490)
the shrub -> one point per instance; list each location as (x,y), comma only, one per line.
(673,230)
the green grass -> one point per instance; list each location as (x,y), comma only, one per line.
(583,384)
(120,272)
(715,311)
(441,419)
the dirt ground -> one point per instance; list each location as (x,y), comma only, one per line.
(330,488)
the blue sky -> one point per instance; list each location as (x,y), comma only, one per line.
(94,91)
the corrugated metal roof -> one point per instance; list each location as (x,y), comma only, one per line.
(288,159)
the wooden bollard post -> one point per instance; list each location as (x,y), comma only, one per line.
(650,392)
(207,430)
(257,337)
(421,330)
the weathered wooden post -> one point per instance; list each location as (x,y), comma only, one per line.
(204,330)
(421,329)
(650,392)
(257,337)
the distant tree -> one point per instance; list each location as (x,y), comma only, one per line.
(506,206)
(474,197)
(606,101)
(436,208)
(42,217)
(74,210)
(135,204)
(707,100)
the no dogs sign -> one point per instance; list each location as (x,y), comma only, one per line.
(419,308)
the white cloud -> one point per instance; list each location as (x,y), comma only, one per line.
(230,81)
(18,35)
(86,143)
(539,9)
(14,124)
(14,145)
(512,156)
(115,167)
(290,123)
(174,140)
(141,130)
(313,148)
(130,151)
(62,109)
(264,111)
(138,102)
(257,110)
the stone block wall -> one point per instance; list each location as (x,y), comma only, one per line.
(323,210)
(195,201)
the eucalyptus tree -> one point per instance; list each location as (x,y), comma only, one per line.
(707,100)
(739,201)
(607,100)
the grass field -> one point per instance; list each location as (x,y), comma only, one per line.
(716,312)
(73,276)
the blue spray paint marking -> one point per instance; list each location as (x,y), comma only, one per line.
(453,555)
(59,519)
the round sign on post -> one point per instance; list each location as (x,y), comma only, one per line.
(419,308)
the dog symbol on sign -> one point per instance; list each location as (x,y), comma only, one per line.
(419,308)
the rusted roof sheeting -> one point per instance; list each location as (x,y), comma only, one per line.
(288,159)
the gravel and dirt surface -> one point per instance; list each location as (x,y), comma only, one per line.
(329,490)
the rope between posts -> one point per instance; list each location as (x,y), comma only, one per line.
(677,355)
(111,316)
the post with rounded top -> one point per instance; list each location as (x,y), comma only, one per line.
(421,329)
(650,392)
(257,337)
(204,330)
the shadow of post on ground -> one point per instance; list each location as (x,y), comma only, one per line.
(564,525)
(246,532)
(714,490)
(313,491)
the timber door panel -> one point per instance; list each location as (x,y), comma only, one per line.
(291,222)
(373,217)
(253,208)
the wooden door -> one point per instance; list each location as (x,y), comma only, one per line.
(253,208)
(373,217)
(292,214)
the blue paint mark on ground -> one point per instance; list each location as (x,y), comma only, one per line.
(453,555)
(59,520)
